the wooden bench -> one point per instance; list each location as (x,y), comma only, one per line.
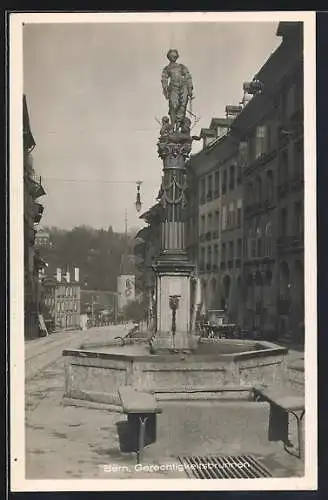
(141,409)
(290,404)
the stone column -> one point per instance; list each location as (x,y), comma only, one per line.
(172,268)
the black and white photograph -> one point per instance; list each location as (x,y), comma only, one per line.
(163,251)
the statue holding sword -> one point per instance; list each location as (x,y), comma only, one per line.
(177,89)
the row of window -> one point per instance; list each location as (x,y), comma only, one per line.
(232,251)
(256,246)
(259,247)
(229,251)
(263,187)
(232,215)
(260,143)
(68,292)
(231,218)
(67,306)
(267,136)
(210,184)
(290,222)
(255,147)
(62,305)
(209,222)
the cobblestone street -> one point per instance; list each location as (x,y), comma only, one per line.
(79,442)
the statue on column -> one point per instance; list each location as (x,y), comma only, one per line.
(177,89)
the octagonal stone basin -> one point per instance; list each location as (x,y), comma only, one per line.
(217,369)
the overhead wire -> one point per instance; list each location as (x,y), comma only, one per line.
(91,180)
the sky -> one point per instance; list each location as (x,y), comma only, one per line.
(94,94)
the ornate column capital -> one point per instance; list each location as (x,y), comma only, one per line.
(173,148)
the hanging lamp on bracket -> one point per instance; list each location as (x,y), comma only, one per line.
(138,203)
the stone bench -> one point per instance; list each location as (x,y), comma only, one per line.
(280,408)
(141,409)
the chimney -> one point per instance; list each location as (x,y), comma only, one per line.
(59,274)
(76,274)
(68,276)
(208,136)
(232,111)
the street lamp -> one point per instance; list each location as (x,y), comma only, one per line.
(138,203)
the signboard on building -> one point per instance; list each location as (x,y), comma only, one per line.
(125,290)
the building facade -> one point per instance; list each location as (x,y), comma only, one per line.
(126,291)
(215,217)
(271,131)
(231,232)
(249,185)
(147,250)
(61,298)
(33,210)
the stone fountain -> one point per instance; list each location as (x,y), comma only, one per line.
(172,363)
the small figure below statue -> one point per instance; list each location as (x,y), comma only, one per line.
(186,129)
(177,89)
(166,129)
(173,142)
(167,132)
(186,126)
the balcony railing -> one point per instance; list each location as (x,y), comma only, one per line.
(288,243)
(261,159)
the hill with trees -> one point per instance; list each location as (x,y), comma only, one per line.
(101,255)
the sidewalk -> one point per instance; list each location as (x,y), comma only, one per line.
(45,351)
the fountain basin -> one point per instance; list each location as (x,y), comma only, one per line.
(217,369)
